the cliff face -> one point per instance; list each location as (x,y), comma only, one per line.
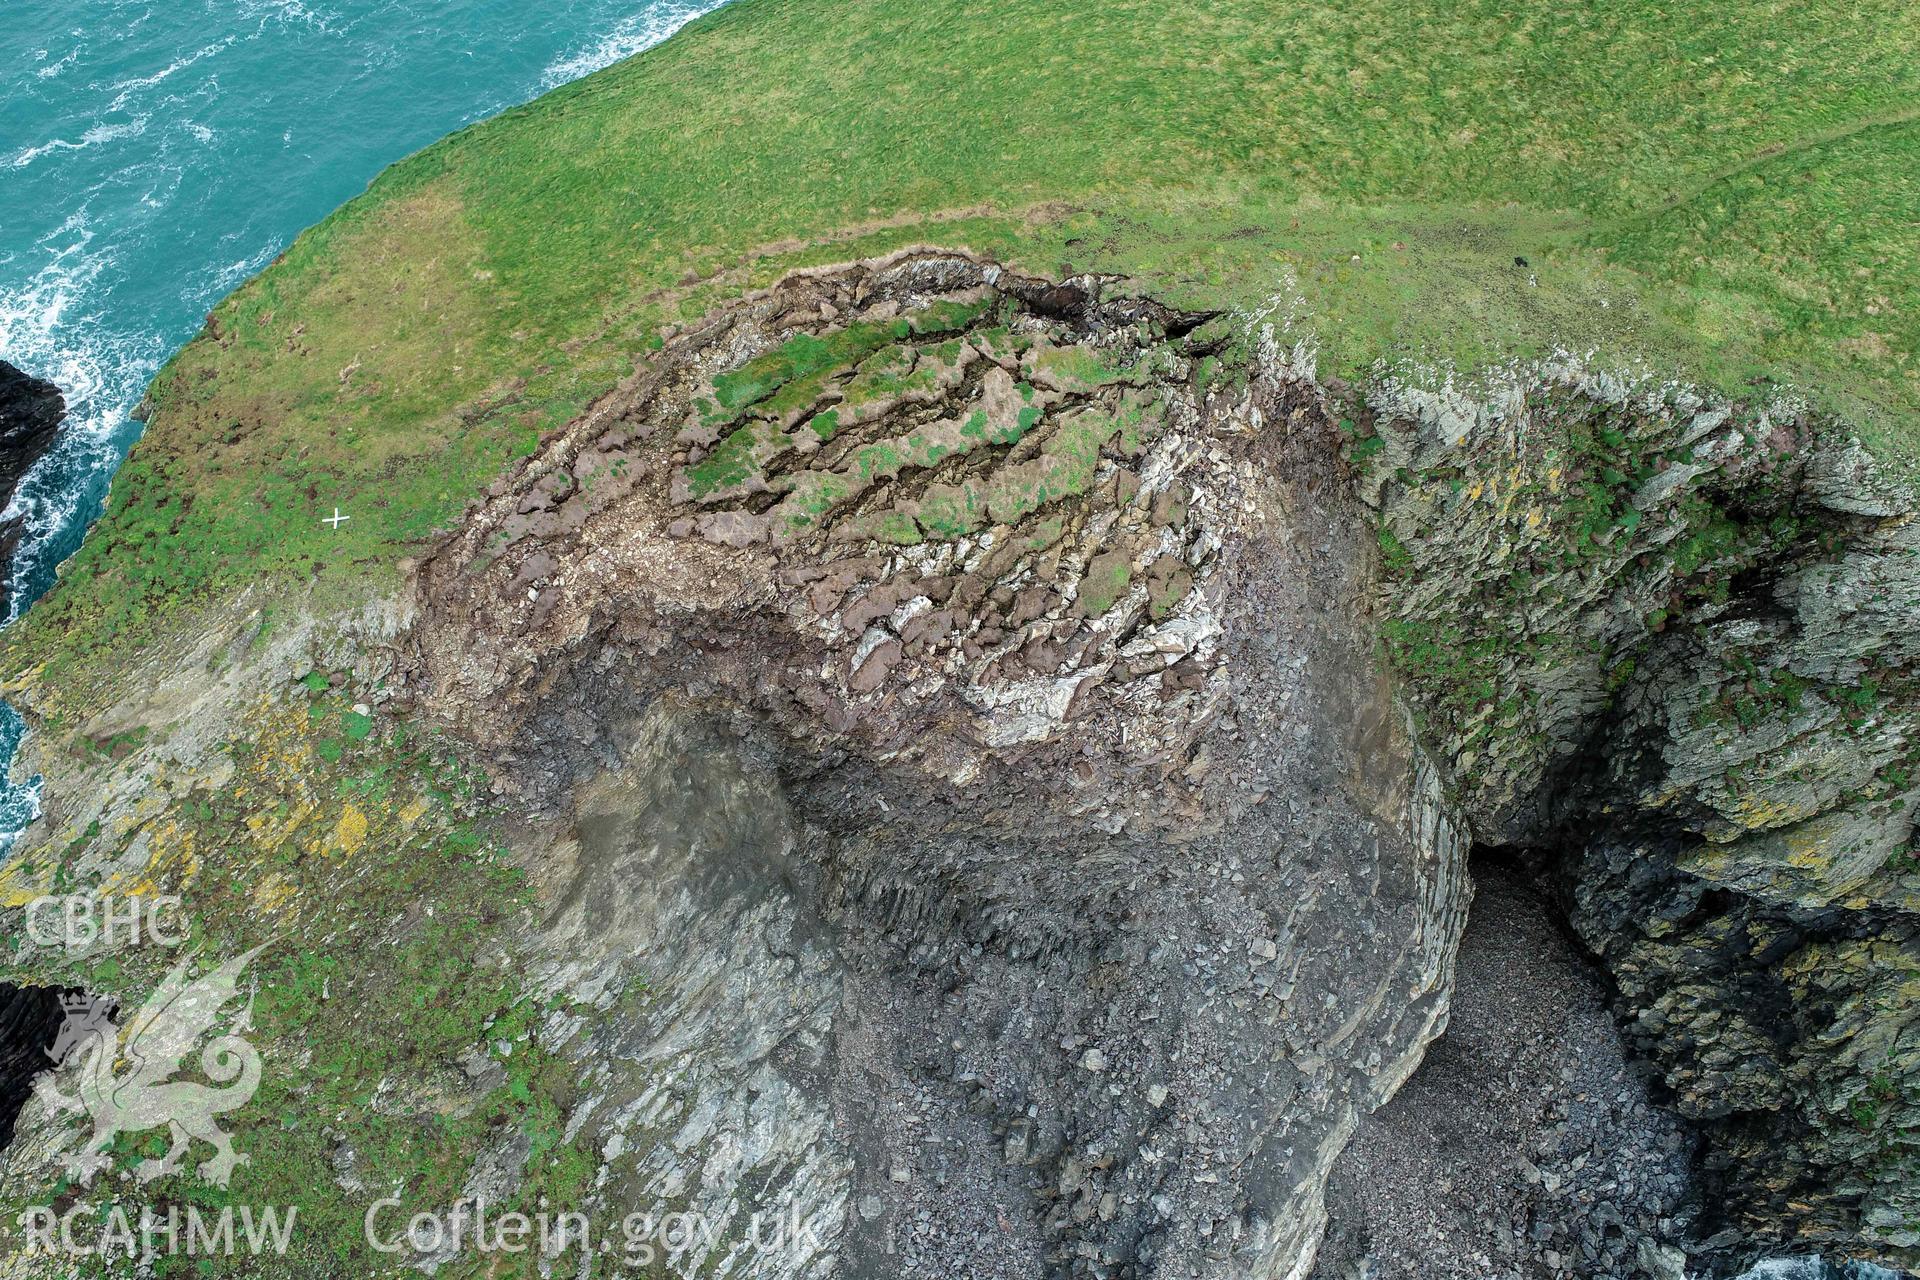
(979,780)
(30,414)
(1530,1143)
(29,1019)
(1672,643)
(941,666)
(1005,581)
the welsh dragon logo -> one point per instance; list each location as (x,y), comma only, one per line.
(151,1048)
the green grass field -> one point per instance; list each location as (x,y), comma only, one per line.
(1730,190)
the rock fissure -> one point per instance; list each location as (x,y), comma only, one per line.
(1671,656)
(30,1019)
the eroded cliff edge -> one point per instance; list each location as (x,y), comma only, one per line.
(945,717)
(1017,537)
(1104,889)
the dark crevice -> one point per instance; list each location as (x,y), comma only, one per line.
(1543,871)
(30,1020)
(1649,896)
(1531,1142)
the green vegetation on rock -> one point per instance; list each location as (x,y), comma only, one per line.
(1728,190)
(352,852)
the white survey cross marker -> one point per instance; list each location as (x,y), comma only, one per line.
(336,519)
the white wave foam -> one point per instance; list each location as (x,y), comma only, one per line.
(53,69)
(91,138)
(237,273)
(287,11)
(51,326)
(19,801)
(128,86)
(62,490)
(630,35)
(32,315)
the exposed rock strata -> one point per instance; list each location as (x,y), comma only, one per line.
(1062,885)
(1675,640)
(945,712)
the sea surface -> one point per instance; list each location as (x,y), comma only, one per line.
(154,154)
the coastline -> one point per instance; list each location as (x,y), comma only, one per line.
(601,439)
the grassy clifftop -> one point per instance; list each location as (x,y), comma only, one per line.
(1728,190)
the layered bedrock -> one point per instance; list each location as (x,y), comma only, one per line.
(976,812)
(1005,751)
(1672,641)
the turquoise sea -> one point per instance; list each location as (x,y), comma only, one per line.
(156,153)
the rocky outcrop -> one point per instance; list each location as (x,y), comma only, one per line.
(1027,561)
(950,692)
(960,510)
(30,414)
(1672,640)
(993,794)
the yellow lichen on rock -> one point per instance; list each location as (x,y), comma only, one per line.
(350,832)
